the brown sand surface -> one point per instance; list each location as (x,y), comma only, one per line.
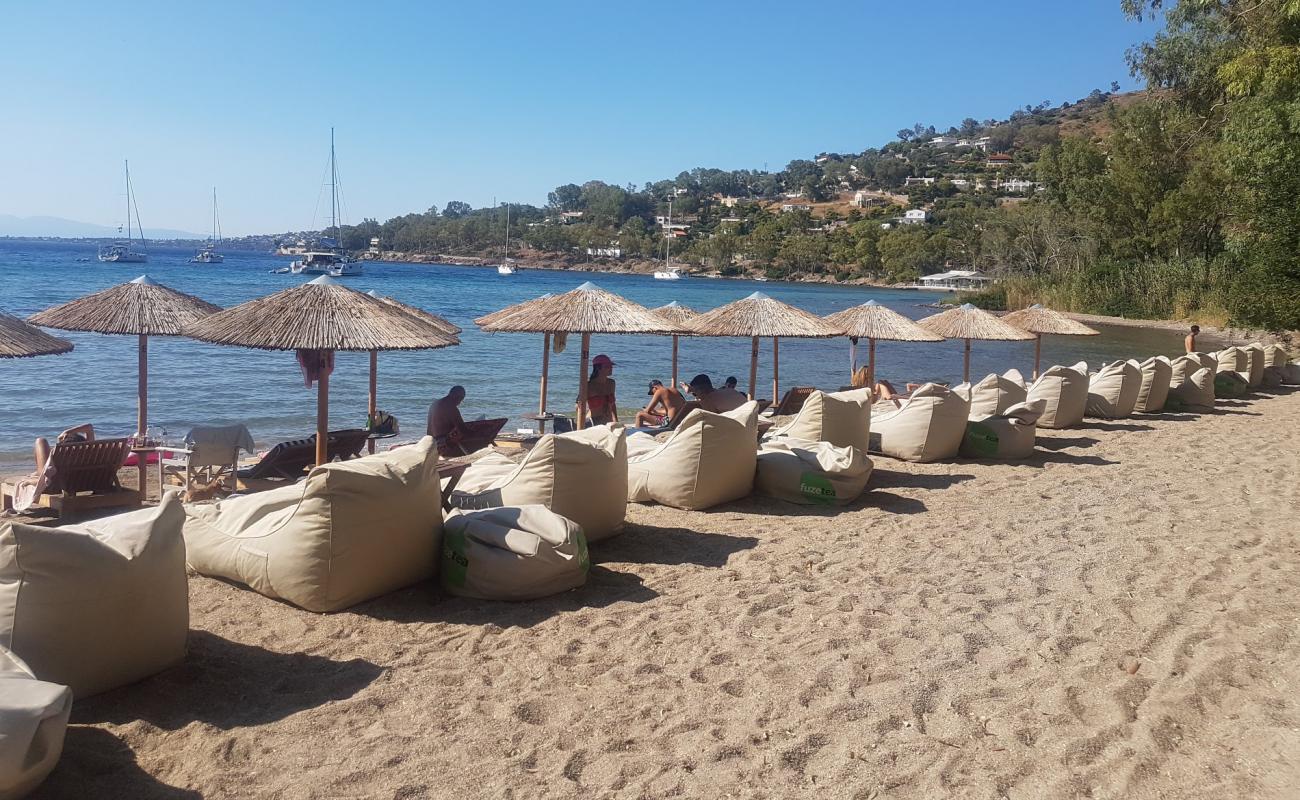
(1115,618)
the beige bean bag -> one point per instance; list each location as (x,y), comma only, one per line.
(97,605)
(707,460)
(33,720)
(928,427)
(1191,386)
(1258,359)
(1064,392)
(1233,359)
(994,394)
(512,554)
(1275,359)
(350,531)
(811,473)
(581,475)
(1113,390)
(841,418)
(1009,435)
(1230,383)
(1290,374)
(1156,373)
(1206,360)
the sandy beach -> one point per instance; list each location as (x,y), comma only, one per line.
(1114,618)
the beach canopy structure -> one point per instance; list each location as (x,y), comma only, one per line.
(678,315)
(968,322)
(435,321)
(1039,320)
(324,316)
(759,316)
(586,310)
(872,321)
(140,308)
(19,339)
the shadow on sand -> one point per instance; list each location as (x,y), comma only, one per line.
(1064,442)
(95,763)
(1095,425)
(890,479)
(650,544)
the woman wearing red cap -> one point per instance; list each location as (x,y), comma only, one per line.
(600,391)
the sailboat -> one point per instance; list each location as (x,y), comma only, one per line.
(126,252)
(507,265)
(329,258)
(669,272)
(209,254)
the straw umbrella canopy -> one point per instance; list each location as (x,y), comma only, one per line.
(19,339)
(321,315)
(968,322)
(679,315)
(872,321)
(758,316)
(587,309)
(1038,321)
(141,308)
(433,320)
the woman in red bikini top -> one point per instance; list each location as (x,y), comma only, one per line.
(601,406)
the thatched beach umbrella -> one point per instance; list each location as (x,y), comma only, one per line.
(872,321)
(678,315)
(759,316)
(1038,321)
(19,339)
(320,315)
(141,308)
(968,322)
(433,320)
(587,309)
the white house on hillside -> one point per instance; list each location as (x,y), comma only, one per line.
(915,216)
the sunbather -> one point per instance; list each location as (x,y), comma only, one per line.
(80,433)
(665,404)
(455,436)
(711,399)
(884,390)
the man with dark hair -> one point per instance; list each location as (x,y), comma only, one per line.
(1190,341)
(711,399)
(664,406)
(455,436)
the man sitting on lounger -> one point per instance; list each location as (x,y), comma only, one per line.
(453,435)
(664,406)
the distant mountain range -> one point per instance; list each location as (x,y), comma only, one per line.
(72,229)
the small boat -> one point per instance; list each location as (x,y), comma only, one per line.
(329,259)
(671,274)
(126,252)
(507,265)
(761,279)
(209,254)
(507,269)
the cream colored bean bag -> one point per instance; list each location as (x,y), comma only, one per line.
(350,531)
(1064,392)
(1009,435)
(97,605)
(1156,374)
(841,418)
(708,459)
(811,473)
(1258,359)
(994,394)
(581,475)
(1275,359)
(1206,360)
(33,720)
(1233,359)
(1230,383)
(512,553)
(1191,386)
(1113,390)
(1290,373)
(928,427)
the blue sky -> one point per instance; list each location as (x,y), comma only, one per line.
(469,101)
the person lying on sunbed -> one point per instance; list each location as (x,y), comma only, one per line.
(80,433)
(664,406)
(453,435)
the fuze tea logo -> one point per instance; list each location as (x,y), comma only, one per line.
(982,439)
(455,564)
(816,488)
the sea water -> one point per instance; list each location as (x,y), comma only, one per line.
(192,383)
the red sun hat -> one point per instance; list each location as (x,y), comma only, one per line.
(602,360)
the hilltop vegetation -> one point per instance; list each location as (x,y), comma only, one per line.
(1181,201)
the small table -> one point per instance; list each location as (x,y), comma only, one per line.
(541,419)
(450,470)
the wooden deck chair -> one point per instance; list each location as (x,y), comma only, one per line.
(82,476)
(478,434)
(793,401)
(289,460)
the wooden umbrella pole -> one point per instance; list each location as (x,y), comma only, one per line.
(853,358)
(871,364)
(753,369)
(965,364)
(674,383)
(142,411)
(546,370)
(1038,352)
(323,414)
(776,368)
(372,407)
(582,381)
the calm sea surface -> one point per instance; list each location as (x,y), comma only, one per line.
(193,383)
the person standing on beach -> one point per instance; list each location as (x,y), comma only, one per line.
(601,406)
(1190,341)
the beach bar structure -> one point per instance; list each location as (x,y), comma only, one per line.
(319,318)
(585,310)
(955,280)
(140,308)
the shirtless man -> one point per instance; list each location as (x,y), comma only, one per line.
(665,403)
(711,399)
(453,435)
(1190,341)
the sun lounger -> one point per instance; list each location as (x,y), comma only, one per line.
(708,460)
(288,460)
(792,401)
(33,719)
(477,435)
(79,476)
(1064,391)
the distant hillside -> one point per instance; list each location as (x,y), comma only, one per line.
(72,229)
